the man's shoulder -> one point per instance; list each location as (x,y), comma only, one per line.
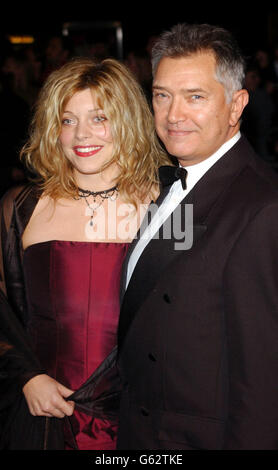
(258,180)
(254,189)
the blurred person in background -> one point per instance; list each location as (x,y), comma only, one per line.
(258,115)
(57,52)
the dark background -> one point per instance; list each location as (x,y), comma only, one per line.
(255,26)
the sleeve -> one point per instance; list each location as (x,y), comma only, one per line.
(251,315)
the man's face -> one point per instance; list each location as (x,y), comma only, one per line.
(192,116)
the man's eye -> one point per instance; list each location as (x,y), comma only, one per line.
(196,97)
(159,95)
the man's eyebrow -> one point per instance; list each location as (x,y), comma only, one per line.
(184,90)
(194,90)
(158,87)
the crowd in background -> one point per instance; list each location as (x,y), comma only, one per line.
(24,69)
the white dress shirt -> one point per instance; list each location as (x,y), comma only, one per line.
(173,199)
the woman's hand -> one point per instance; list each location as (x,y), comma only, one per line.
(45,397)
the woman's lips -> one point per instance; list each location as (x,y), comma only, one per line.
(86,151)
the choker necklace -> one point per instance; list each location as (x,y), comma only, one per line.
(111,193)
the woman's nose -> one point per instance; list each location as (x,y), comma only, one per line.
(83,131)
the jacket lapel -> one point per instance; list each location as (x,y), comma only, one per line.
(163,193)
(160,253)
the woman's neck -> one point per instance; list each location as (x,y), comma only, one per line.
(98,181)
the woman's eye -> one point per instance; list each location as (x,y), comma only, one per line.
(67,121)
(99,119)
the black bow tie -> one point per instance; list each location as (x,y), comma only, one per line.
(169,174)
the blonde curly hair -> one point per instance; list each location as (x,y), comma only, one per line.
(137,151)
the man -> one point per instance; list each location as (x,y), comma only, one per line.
(198,331)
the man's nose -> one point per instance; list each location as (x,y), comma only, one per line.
(177,111)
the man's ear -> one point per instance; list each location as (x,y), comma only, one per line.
(239,101)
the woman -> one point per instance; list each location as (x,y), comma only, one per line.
(94,158)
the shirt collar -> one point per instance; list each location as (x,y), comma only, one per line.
(195,172)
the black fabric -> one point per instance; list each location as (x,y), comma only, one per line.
(198,339)
(100,393)
(169,174)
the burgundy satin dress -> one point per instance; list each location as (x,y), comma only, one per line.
(73,300)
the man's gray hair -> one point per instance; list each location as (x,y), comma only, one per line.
(187,39)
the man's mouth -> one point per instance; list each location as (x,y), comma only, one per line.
(180,132)
(87,151)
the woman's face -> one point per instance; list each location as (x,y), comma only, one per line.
(85,136)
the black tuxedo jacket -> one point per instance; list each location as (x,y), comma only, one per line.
(198,330)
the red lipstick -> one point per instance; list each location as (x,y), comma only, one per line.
(87,151)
